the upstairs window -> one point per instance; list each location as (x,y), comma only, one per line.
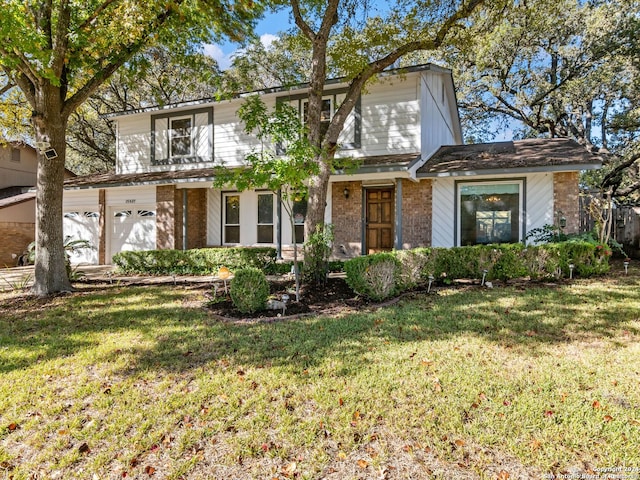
(184,137)
(15,155)
(181,142)
(350,136)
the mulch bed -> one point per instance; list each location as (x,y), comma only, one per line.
(334,297)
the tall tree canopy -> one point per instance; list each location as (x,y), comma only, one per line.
(349,38)
(558,68)
(58,52)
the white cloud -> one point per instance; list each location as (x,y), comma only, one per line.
(267,39)
(216,52)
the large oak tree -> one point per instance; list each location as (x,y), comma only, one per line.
(350,37)
(58,52)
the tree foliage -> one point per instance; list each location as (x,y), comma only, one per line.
(59,52)
(557,68)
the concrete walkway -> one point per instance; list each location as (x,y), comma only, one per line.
(21,278)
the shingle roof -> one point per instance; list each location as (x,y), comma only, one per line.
(538,154)
(380,162)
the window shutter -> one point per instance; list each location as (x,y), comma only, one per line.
(203,137)
(160,140)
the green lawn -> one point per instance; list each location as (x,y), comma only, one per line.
(140,382)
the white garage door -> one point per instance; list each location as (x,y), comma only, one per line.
(132,229)
(83,225)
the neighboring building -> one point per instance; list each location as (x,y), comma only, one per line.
(409,190)
(18,166)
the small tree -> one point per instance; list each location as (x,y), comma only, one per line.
(282,163)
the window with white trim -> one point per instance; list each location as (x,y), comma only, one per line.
(232,218)
(180,133)
(489,212)
(265,218)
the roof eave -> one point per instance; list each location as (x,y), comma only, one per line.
(509,171)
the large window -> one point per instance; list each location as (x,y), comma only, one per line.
(489,212)
(265,218)
(326,113)
(232,219)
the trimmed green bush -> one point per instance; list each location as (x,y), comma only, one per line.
(249,290)
(374,276)
(202,261)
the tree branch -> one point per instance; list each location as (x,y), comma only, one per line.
(300,22)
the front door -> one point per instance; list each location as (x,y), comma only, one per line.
(379,219)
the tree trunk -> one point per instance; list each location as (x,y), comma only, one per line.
(50,262)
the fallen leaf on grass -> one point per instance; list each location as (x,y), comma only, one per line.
(290,469)
(608,418)
(535,444)
(149,470)
(84,448)
(548,413)
(503,475)
(341,455)
(340,401)
(363,464)
(12,427)
(459,443)
(595,404)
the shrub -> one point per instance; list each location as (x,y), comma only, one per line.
(202,261)
(374,276)
(249,290)
(317,250)
(413,264)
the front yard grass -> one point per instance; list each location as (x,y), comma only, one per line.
(139,382)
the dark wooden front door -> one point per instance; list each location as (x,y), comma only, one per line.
(379,219)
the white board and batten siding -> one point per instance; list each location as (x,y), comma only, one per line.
(538,208)
(81,221)
(231,143)
(437,123)
(133,153)
(390,121)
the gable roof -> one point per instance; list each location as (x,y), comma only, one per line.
(521,156)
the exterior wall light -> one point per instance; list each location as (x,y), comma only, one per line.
(345,192)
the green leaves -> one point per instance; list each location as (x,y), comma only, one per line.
(284,159)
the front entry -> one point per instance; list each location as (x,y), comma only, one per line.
(379,219)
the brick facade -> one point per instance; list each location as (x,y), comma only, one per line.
(169,217)
(346,216)
(416,213)
(15,238)
(566,201)
(196,218)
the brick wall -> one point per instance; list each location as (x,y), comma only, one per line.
(566,201)
(416,213)
(168,217)
(196,218)
(15,238)
(346,216)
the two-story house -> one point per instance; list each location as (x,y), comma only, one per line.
(416,185)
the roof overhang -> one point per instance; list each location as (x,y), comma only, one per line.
(511,171)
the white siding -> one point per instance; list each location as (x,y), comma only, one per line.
(443,212)
(539,200)
(390,118)
(214,218)
(231,144)
(538,195)
(139,195)
(203,136)
(437,124)
(134,144)
(74,199)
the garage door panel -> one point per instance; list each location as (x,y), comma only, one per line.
(83,225)
(133,229)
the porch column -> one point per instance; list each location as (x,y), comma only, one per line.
(398,226)
(102,227)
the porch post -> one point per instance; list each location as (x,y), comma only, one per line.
(398,216)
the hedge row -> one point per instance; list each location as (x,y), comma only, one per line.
(369,275)
(201,261)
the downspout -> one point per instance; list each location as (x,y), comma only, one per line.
(279,227)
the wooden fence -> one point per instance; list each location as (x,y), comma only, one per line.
(625,228)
